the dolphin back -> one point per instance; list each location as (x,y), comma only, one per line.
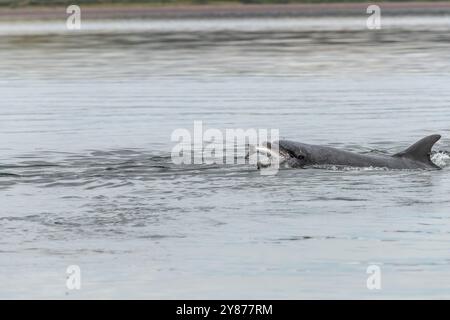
(421,150)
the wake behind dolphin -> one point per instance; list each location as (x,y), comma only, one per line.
(301,155)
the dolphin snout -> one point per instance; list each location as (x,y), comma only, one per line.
(267,155)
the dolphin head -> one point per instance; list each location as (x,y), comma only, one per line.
(296,155)
(283,152)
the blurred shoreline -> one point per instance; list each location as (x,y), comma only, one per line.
(226,10)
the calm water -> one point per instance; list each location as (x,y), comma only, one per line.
(86,176)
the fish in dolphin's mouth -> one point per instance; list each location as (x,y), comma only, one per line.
(269,155)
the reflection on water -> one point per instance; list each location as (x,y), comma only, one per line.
(132,50)
(86,177)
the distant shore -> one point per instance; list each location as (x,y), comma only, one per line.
(138,11)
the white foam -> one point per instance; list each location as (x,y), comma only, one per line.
(441,159)
(348,168)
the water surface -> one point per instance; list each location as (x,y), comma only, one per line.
(86,176)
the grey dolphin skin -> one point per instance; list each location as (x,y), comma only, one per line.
(299,155)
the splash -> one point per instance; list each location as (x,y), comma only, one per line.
(441,158)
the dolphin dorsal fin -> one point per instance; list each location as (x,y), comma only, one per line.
(420,151)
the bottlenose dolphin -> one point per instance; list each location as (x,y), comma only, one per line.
(300,155)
